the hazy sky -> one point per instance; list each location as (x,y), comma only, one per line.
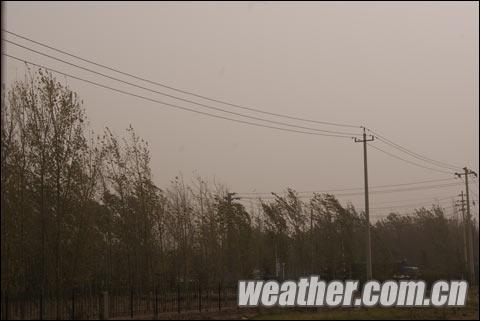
(407,70)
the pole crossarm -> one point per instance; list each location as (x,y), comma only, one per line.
(466,172)
(371,139)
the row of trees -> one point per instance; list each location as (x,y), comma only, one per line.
(82,208)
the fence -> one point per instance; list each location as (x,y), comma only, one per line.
(92,303)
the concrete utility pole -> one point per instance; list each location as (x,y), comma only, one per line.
(461,204)
(230,197)
(367,206)
(471,263)
(312,246)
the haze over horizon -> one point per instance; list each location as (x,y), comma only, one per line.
(408,71)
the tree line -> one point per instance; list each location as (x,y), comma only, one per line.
(79,207)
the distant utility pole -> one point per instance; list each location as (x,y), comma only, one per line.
(461,204)
(230,197)
(471,263)
(367,206)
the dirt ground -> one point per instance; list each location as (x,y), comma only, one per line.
(466,313)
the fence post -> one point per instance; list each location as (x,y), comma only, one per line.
(237,293)
(199,297)
(104,305)
(131,303)
(7,310)
(40,310)
(73,304)
(156,302)
(219,298)
(207,299)
(57,303)
(178,298)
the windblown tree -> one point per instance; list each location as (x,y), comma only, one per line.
(46,173)
(78,208)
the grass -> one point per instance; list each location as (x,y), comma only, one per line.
(470,312)
(372,314)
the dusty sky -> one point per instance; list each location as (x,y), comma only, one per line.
(409,71)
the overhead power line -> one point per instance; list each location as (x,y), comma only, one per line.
(361,193)
(336,133)
(177,89)
(414,188)
(411,153)
(413,214)
(169,104)
(408,161)
(402,208)
(432,202)
(417,199)
(469,188)
(361,188)
(179,98)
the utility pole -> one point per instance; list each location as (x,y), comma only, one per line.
(461,204)
(471,263)
(312,246)
(367,206)
(230,197)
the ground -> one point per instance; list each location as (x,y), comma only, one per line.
(374,314)
(467,313)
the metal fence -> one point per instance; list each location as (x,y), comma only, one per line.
(91,303)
